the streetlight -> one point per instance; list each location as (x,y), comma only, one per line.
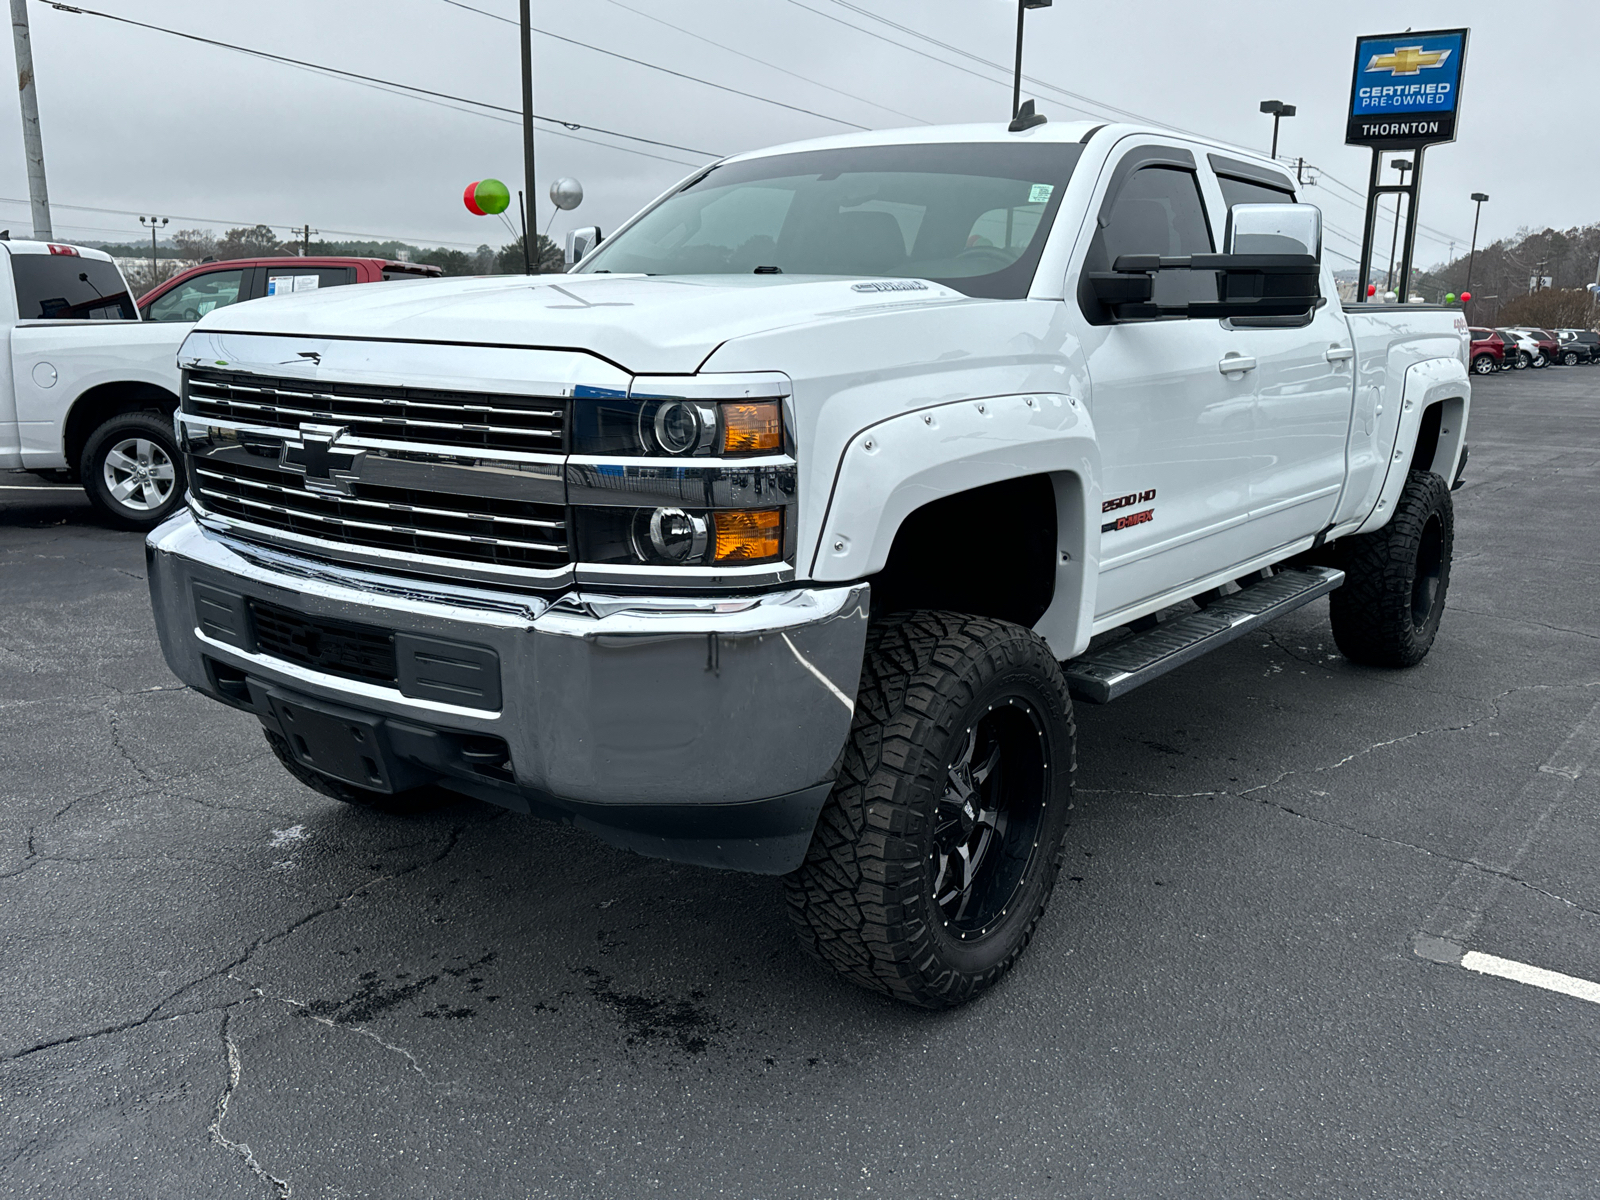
(1479,197)
(1277,109)
(1016,90)
(1402,165)
(155,224)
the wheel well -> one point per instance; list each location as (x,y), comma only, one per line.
(990,552)
(1427,438)
(98,404)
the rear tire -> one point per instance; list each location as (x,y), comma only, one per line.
(401,804)
(934,858)
(1484,364)
(1522,361)
(1569,359)
(132,470)
(1396,578)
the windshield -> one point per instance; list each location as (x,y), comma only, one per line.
(973,217)
(68,287)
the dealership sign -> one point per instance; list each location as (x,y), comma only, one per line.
(1407,89)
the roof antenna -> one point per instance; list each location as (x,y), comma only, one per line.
(1026,118)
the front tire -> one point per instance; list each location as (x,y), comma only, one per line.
(132,470)
(1396,578)
(934,858)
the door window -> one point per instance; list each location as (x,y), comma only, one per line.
(194,298)
(281,281)
(1159,211)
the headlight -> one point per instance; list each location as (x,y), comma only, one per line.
(679,537)
(678,428)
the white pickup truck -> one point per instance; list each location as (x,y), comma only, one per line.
(91,388)
(779,534)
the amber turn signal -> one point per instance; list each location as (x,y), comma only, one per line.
(748,535)
(748,428)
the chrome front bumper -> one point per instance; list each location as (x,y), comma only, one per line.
(702,729)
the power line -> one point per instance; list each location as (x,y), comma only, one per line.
(372,79)
(721,87)
(771,66)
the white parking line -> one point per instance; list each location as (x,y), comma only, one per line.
(37,487)
(1550,981)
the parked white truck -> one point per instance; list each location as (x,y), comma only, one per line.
(91,388)
(778,534)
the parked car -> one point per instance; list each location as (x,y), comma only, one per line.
(758,540)
(213,285)
(1578,346)
(1526,349)
(1549,348)
(1488,353)
(87,389)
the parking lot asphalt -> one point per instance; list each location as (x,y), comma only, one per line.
(218,983)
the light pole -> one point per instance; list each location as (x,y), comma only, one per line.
(1402,165)
(1479,198)
(1016,88)
(155,223)
(1277,109)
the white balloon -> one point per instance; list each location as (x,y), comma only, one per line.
(566,194)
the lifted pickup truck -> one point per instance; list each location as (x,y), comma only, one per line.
(780,534)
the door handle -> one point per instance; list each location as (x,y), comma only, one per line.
(1340,353)
(1236,364)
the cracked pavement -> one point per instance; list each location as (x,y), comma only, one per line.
(221,984)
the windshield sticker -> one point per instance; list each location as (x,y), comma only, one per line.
(1041,193)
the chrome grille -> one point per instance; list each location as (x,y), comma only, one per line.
(473,420)
(479,529)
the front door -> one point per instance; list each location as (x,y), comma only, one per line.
(1175,426)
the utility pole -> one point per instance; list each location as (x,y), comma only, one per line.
(530,260)
(155,224)
(305,239)
(32,143)
(1016,88)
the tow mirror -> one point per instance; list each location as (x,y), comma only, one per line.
(1274,229)
(580,242)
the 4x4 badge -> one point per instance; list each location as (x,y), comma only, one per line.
(327,468)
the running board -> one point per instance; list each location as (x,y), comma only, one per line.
(1103,675)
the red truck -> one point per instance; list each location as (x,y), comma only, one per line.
(213,285)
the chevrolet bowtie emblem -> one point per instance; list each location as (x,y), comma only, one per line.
(327,468)
(1408,60)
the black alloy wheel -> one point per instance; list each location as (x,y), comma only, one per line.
(986,826)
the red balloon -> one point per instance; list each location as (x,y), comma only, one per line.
(470,199)
(1466,296)
(1372,288)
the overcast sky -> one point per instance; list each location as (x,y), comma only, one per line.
(142,121)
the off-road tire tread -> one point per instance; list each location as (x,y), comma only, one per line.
(922,671)
(1371,612)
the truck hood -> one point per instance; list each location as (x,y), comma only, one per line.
(643,324)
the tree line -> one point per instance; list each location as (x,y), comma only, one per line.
(1503,275)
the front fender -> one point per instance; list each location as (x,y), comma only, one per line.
(892,468)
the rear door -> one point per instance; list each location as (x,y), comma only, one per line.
(1303,382)
(288,279)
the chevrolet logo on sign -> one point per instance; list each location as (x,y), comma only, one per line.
(1408,60)
(325,466)
(1407,89)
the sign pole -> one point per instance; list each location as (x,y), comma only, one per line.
(1413,194)
(1370,228)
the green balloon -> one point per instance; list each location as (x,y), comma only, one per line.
(492,196)
(1449,297)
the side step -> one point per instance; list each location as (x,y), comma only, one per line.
(1103,675)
